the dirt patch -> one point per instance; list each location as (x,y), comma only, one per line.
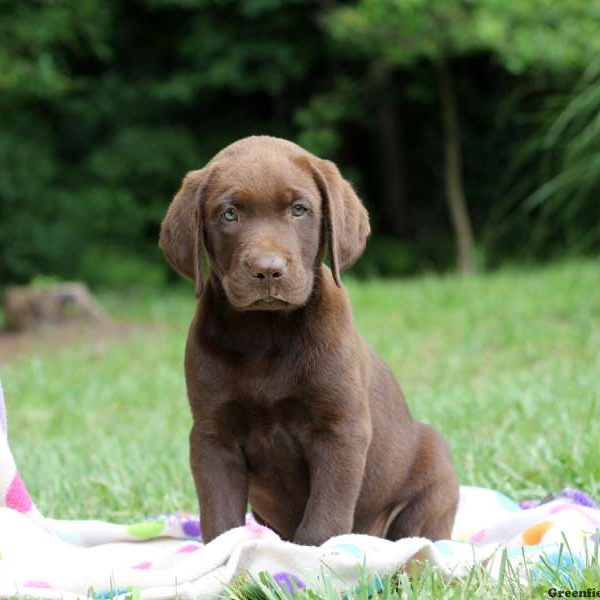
(43,319)
(47,339)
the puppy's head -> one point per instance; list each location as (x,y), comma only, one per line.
(266,212)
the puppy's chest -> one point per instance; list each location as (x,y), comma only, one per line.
(269,433)
(246,416)
(271,411)
(273,428)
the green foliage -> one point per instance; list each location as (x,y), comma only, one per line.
(37,38)
(538,35)
(524,35)
(107,104)
(556,177)
(42,282)
(103,127)
(105,266)
(386,256)
(401,31)
(320,122)
(553,209)
(566,201)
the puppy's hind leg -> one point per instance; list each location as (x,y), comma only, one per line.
(431,510)
(429,515)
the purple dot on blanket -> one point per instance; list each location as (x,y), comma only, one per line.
(143,566)
(288,581)
(191,528)
(17,496)
(37,583)
(578,497)
(527,504)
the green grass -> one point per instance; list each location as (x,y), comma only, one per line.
(420,582)
(507,365)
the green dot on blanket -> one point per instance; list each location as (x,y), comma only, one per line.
(146,529)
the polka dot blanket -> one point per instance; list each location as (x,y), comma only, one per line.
(164,557)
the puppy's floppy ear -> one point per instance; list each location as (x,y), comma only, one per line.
(182,229)
(345,218)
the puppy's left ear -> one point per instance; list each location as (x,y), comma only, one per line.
(346,220)
(182,229)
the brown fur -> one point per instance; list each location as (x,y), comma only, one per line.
(292,409)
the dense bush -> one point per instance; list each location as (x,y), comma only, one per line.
(106,104)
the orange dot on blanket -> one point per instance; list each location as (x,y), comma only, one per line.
(534,534)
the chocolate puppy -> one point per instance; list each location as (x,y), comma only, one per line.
(293,411)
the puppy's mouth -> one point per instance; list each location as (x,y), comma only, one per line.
(266,299)
(269,303)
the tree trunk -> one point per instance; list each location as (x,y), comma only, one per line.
(455,196)
(396,206)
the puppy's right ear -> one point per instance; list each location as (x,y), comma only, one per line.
(182,229)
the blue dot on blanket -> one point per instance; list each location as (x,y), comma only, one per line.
(534,550)
(507,503)
(445,546)
(131,592)
(351,549)
(368,590)
(554,565)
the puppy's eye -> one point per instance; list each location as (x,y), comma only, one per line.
(229,215)
(299,210)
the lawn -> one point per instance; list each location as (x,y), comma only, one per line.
(507,365)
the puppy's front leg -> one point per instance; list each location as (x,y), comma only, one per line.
(336,466)
(221,479)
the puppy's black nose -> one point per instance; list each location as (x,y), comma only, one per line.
(268,266)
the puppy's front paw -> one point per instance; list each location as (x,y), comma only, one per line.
(307,538)
(317,535)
